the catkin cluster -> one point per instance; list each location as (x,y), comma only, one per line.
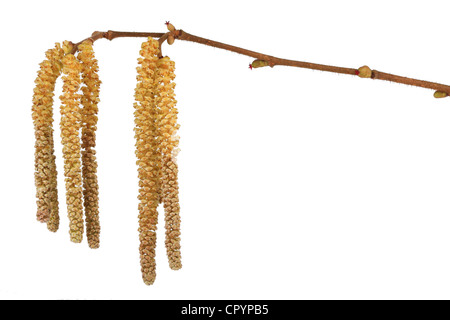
(80,165)
(42,114)
(156,147)
(156,137)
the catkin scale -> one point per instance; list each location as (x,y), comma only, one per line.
(42,115)
(70,134)
(89,101)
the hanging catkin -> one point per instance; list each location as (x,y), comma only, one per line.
(156,127)
(148,158)
(165,98)
(70,134)
(89,101)
(42,114)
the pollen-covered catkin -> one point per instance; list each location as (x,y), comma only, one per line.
(42,115)
(89,101)
(53,222)
(70,134)
(148,158)
(53,219)
(167,123)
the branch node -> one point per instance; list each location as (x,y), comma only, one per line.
(97,35)
(109,35)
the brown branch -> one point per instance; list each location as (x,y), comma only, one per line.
(267,60)
(271,61)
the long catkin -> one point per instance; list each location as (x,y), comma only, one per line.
(53,220)
(70,134)
(89,101)
(168,114)
(42,115)
(148,158)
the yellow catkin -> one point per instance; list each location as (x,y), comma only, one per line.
(42,115)
(148,158)
(167,122)
(70,135)
(89,100)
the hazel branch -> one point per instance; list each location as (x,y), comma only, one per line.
(263,60)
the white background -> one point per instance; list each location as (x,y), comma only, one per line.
(294,184)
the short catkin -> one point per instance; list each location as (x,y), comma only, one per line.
(70,129)
(89,101)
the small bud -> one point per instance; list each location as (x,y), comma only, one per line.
(440,94)
(259,63)
(170,39)
(364,72)
(67,46)
(170,26)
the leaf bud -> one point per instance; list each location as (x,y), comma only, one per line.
(259,63)
(170,26)
(440,94)
(364,72)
